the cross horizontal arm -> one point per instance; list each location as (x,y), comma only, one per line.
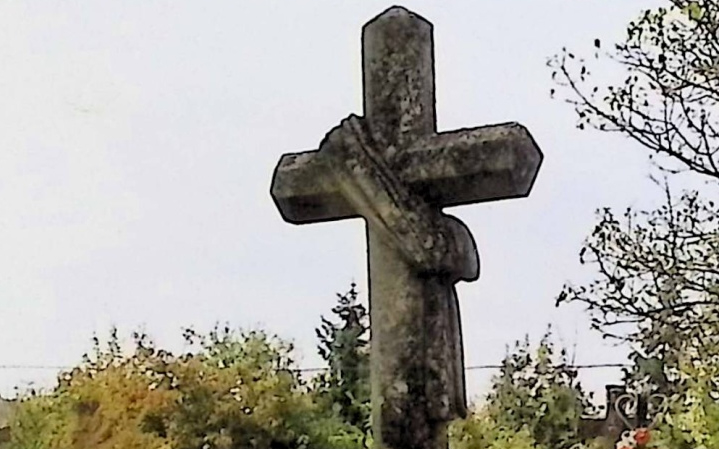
(459,167)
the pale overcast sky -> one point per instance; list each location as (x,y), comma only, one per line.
(138,140)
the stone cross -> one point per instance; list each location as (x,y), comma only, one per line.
(392,168)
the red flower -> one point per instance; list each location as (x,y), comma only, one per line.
(642,436)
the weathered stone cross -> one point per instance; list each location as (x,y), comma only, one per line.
(392,168)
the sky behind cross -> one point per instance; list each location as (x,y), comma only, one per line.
(137,147)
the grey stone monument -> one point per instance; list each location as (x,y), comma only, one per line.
(392,168)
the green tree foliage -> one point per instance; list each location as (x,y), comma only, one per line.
(536,399)
(345,386)
(658,283)
(692,420)
(234,391)
(241,390)
(668,100)
(481,431)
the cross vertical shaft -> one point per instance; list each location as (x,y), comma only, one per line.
(398,77)
(399,106)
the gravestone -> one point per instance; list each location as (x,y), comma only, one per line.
(612,424)
(624,411)
(392,168)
